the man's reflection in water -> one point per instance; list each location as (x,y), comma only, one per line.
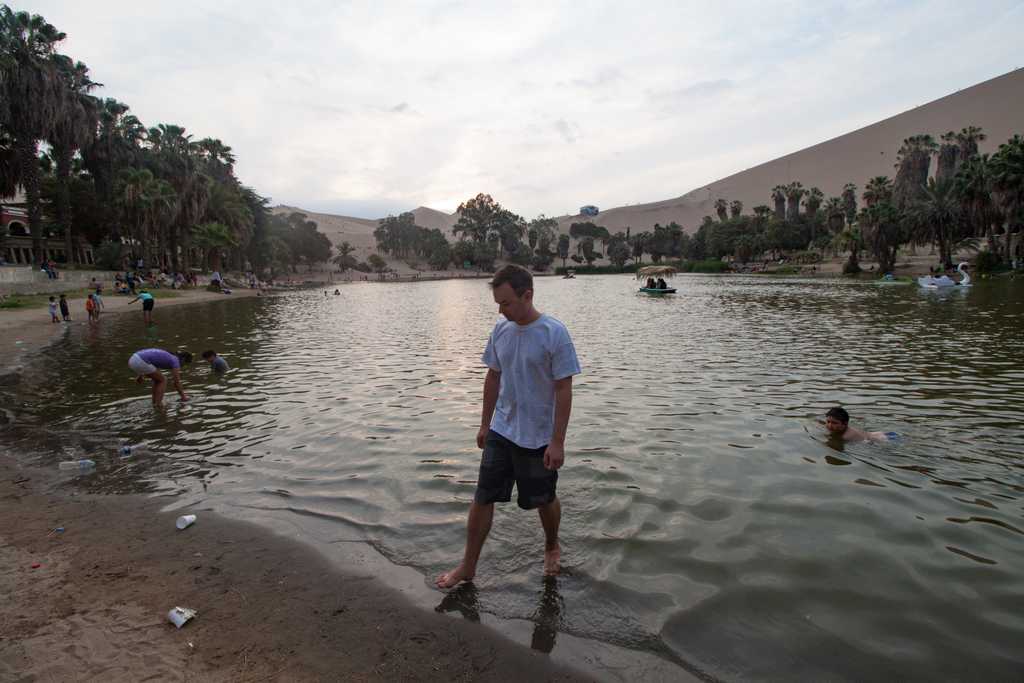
(548,617)
(464,599)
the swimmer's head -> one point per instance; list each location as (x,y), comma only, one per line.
(209,355)
(184,357)
(837,420)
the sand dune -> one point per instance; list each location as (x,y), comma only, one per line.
(994,105)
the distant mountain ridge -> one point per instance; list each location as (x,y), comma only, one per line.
(995,105)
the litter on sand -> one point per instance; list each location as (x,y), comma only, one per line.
(180,615)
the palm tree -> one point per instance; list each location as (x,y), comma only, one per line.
(973,187)
(813,202)
(10,171)
(794,193)
(30,88)
(834,215)
(912,163)
(115,146)
(1008,184)
(563,247)
(850,202)
(935,216)
(968,139)
(735,208)
(850,239)
(884,231)
(74,128)
(879,189)
(779,197)
(211,237)
(721,208)
(948,158)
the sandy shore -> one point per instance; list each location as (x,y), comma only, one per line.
(90,602)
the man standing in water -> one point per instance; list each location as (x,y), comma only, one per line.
(527,401)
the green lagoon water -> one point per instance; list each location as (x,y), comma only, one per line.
(706,517)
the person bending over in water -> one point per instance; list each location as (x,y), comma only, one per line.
(527,400)
(149,363)
(837,422)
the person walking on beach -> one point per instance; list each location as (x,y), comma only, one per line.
(527,401)
(53,310)
(147,306)
(149,363)
(65,312)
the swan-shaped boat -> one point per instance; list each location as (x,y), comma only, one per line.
(943,281)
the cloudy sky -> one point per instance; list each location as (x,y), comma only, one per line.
(366,108)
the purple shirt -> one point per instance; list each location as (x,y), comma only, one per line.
(159,358)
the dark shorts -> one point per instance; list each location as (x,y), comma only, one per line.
(503,464)
(147,305)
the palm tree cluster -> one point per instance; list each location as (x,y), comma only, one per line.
(971,195)
(138,192)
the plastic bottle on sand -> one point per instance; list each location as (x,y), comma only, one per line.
(83,464)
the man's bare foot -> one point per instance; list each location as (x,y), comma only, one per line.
(453,578)
(553,561)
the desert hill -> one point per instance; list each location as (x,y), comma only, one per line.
(994,105)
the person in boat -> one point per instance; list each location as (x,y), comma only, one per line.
(837,422)
(651,284)
(662,284)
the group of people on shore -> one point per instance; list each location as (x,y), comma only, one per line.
(131,280)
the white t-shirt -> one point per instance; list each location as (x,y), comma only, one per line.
(530,358)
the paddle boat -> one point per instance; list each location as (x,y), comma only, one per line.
(943,281)
(654,279)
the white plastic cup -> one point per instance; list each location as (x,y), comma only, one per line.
(179,615)
(185,521)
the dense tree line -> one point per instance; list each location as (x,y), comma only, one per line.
(90,168)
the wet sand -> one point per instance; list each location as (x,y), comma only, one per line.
(90,603)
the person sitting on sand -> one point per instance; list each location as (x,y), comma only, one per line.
(217,363)
(149,363)
(337,292)
(837,422)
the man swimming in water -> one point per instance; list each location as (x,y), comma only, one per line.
(837,422)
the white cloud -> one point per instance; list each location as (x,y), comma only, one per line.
(544,105)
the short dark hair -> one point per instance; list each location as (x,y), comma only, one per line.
(207,355)
(184,356)
(839,414)
(518,277)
